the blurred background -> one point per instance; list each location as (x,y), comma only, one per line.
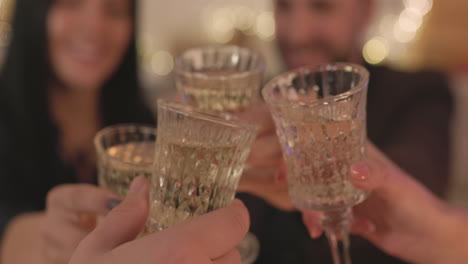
(405,34)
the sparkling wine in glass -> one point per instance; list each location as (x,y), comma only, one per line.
(223,80)
(220,78)
(198,163)
(124,153)
(320,118)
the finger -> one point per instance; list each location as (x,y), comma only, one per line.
(311,221)
(260,181)
(377,172)
(54,255)
(372,173)
(87,221)
(362,226)
(60,242)
(362,178)
(281,174)
(266,150)
(75,198)
(61,232)
(260,115)
(232,257)
(255,178)
(63,238)
(227,227)
(59,255)
(125,221)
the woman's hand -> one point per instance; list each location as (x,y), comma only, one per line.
(70,215)
(402,217)
(210,238)
(52,236)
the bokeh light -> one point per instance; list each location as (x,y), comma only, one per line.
(421,6)
(265,26)
(243,18)
(162,63)
(375,50)
(401,35)
(410,20)
(386,23)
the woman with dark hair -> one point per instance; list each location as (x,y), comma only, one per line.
(70,70)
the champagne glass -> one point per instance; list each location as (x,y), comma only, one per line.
(222,80)
(198,163)
(320,119)
(124,152)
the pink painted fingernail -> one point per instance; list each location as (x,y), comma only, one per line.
(365,226)
(360,172)
(278,176)
(112,203)
(315,232)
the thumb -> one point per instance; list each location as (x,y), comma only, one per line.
(373,173)
(126,220)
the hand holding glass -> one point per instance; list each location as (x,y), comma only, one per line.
(320,119)
(198,162)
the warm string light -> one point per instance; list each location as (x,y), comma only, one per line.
(162,63)
(397,31)
(220,25)
(375,50)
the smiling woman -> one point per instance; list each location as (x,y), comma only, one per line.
(87,39)
(70,69)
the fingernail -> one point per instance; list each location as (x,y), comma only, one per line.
(315,232)
(360,172)
(280,176)
(113,203)
(137,185)
(364,226)
(371,228)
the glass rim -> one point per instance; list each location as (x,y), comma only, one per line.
(189,111)
(320,68)
(238,75)
(107,130)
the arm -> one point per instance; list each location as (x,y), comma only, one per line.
(210,238)
(52,236)
(23,234)
(403,218)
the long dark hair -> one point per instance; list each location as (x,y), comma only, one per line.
(31,163)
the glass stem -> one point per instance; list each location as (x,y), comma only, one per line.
(336,225)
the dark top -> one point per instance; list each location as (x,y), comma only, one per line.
(408,119)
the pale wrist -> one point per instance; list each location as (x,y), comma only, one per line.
(451,240)
(23,235)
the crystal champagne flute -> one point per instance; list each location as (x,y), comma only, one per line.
(198,163)
(222,80)
(124,152)
(320,119)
